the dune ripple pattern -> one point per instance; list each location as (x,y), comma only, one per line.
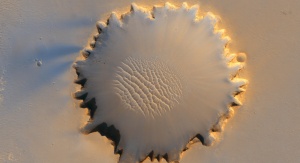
(154,82)
(147,86)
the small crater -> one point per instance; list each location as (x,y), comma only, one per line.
(38,62)
(241,57)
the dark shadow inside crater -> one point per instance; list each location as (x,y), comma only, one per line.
(111,133)
(91,105)
(103,129)
(200,137)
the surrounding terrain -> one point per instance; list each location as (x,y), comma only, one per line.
(39,119)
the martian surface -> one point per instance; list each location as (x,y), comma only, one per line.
(163,82)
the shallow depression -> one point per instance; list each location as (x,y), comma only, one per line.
(187,88)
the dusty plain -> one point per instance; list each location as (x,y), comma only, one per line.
(39,119)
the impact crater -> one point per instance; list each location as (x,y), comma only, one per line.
(156,81)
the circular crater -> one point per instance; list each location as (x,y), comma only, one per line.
(184,79)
